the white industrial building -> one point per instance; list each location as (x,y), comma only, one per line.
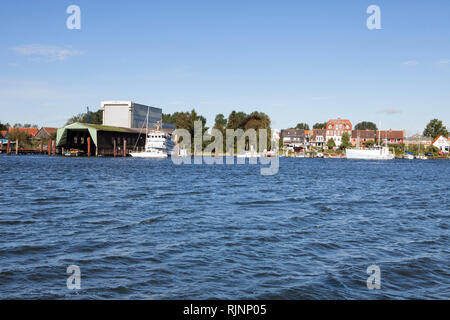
(128,114)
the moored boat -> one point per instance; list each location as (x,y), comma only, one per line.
(158,144)
(381,153)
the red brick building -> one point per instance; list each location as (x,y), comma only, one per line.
(336,128)
(362,136)
(391,136)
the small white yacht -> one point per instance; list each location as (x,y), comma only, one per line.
(158,144)
(377,153)
(381,153)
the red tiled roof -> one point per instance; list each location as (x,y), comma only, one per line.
(363,134)
(50,130)
(29,131)
(437,138)
(336,124)
(3,133)
(319,132)
(391,134)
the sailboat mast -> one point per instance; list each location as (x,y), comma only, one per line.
(146,127)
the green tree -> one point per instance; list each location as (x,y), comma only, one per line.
(345,142)
(434,129)
(366,125)
(399,149)
(331,144)
(3,126)
(370,143)
(320,125)
(21,136)
(220,123)
(96,117)
(186,120)
(302,126)
(167,118)
(432,149)
(257,121)
(235,120)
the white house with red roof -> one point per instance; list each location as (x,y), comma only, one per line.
(442,143)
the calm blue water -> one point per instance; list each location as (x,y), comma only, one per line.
(149,229)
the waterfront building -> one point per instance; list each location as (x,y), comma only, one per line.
(318,137)
(29,131)
(359,138)
(127,114)
(293,139)
(103,140)
(442,143)
(419,140)
(391,136)
(3,134)
(336,128)
(45,133)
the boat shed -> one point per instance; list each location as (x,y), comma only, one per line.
(104,140)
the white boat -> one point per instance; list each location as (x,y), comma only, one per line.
(381,153)
(248,154)
(376,153)
(408,157)
(158,144)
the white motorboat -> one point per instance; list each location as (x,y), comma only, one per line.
(376,153)
(248,154)
(381,153)
(408,157)
(158,144)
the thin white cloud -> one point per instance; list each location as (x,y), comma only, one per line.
(443,62)
(46,52)
(390,111)
(410,63)
(318,98)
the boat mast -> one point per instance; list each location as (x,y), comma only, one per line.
(146,127)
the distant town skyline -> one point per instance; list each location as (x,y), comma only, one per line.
(295,61)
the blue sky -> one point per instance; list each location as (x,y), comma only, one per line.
(297,61)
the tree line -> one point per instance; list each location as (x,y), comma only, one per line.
(235,120)
(6,126)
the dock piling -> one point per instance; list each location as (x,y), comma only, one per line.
(17,146)
(53,147)
(49,147)
(8,147)
(114,152)
(41,147)
(89,146)
(124,148)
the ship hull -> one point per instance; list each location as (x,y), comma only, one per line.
(368,154)
(149,155)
